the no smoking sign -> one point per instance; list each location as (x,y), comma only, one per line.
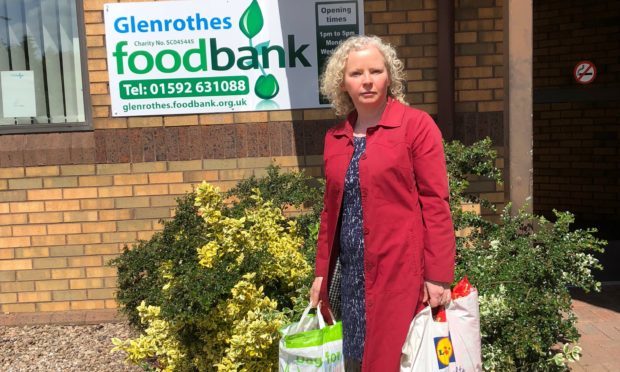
(584,72)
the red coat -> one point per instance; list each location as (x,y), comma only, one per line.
(408,231)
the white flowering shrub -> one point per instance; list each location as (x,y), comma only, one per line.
(523,268)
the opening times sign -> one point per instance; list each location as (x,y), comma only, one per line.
(335,22)
(182,57)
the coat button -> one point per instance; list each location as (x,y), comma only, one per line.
(363,156)
(366,231)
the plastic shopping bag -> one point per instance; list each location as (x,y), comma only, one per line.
(428,347)
(310,345)
(448,342)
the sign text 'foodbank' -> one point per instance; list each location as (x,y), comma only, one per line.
(245,58)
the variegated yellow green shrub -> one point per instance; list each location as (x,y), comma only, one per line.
(223,311)
(157,343)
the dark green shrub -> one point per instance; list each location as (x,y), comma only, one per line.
(139,277)
(463,162)
(283,189)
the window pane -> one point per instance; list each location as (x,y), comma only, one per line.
(39,42)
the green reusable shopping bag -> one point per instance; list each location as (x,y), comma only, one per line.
(311,345)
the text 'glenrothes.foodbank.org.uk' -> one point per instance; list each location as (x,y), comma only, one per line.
(229,103)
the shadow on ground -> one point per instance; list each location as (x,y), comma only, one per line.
(608,298)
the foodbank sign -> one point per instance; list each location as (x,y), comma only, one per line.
(181,57)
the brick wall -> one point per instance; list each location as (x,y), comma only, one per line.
(61,224)
(479,70)
(576,137)
(411,26)
(70,201)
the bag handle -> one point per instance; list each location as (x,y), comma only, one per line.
(304,315)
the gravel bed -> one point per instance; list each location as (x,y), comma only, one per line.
(65,348)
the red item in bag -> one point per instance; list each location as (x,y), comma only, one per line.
(439,314)
(461,289)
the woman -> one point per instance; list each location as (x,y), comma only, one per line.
(386,217)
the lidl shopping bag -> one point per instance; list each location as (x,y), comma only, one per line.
(427,347)
(448,342)
(310,345)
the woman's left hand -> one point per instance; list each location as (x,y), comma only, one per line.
(436,293)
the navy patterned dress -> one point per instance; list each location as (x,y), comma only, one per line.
(352,259)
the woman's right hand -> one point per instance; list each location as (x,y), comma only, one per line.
(315,290)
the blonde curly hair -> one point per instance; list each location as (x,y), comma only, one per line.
(333,76)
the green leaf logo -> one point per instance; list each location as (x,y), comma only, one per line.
(251,21)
